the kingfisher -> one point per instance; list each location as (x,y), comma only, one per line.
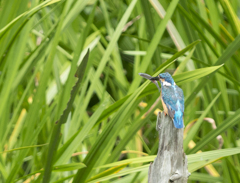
(172,98)
(171,95)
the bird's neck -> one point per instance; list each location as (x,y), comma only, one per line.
(165,83)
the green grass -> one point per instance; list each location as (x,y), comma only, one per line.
(56,127)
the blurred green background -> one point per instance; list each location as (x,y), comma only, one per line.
(106,132)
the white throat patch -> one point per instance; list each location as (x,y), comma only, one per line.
(165,83)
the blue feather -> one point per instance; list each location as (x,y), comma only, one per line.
(173,99)
(178,119)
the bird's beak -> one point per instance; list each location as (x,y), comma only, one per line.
(154,78)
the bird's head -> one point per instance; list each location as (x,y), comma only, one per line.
(165,79)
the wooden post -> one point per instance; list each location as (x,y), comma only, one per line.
(170,165)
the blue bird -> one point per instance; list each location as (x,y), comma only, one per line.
(172,98)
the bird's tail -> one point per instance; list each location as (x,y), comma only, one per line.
(178,119)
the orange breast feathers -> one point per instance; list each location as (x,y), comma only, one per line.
(164,107)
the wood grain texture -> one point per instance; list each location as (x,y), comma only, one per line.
(170,165)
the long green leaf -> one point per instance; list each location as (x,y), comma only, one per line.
(55,137)
(192,158)
(196,74)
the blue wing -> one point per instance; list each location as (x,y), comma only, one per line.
(174,100)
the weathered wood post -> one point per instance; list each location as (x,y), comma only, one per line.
(170,165)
